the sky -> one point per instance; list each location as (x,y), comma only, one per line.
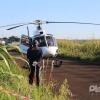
(20,11)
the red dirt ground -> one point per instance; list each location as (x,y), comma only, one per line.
(80,77)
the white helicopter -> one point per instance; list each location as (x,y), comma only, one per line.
(47,42)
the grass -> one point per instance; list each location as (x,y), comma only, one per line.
(88,50)
(14,79)
(18,84)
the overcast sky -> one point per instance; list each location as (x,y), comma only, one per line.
(20,11)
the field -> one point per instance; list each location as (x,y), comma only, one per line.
(85,50)
(14,79)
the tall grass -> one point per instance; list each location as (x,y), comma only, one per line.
(14,79)
(88,50)
(21,86)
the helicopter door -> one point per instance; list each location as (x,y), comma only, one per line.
(25,43)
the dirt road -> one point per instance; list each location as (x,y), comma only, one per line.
(80,76)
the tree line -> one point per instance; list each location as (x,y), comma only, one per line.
(11,39)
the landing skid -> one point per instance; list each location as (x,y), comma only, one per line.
(57,63)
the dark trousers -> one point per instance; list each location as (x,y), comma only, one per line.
(32,73)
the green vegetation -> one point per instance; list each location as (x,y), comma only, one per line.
(14,79)
(88,50)
(11,39)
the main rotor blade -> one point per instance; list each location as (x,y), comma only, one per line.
(14,27)
(18,26)
(73,23)
(14,24)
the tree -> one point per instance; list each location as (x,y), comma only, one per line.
(14,39)
(5,38)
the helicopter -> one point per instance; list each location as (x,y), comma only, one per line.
(47,42)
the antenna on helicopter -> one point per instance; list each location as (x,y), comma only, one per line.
(28,31)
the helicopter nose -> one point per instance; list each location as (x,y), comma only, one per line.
(50,52)
(53,53)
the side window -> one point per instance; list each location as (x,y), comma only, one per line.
(25,40)
(51,41)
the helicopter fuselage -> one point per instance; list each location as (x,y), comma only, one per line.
(47,43)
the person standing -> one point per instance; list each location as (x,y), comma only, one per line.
(34,54)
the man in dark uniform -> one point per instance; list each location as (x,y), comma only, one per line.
(34,54)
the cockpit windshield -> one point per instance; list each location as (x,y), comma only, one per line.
(41,41)
(51,41)
(46,41)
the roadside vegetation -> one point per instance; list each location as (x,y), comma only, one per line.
(84,50)
(14,79)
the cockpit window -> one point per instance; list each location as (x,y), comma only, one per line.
(41,41)
(51,41)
